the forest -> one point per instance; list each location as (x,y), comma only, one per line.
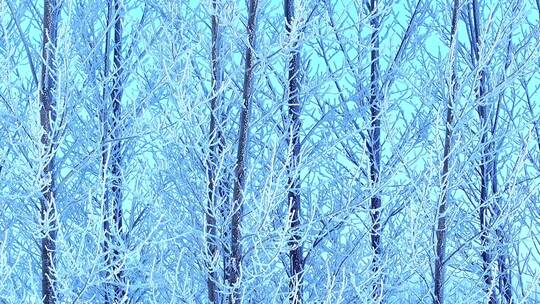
(265,151)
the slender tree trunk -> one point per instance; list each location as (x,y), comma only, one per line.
(116,170)
(112,163)
(105,149)
(234,271)
(505,277)
(484,159)
(47,113)
(503,256)
(374,150)
(440,246)
(293,195)
(216,148)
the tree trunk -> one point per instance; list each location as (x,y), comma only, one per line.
(374,150)
(105,152)
(234,270)
(440,247)
(112,164)
(293,195)
(505,278)
(116,170)
(503,256)
(47,115)
(484,159)
(216,142)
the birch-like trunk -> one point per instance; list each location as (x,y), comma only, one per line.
(47,114)
(485,161)
(293,131)
(112,162)
(503,256)
(234,271)
(440,233)
(374,151)
(216,143)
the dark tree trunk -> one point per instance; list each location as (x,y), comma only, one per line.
(105,152)
(505,277)
(374,150)
(293,195)
(47,115)
(216,142)
(112,162)
(233,273)
(116,170)
(484,159)
(440,233)
(503,256)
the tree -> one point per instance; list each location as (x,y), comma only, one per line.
(486,154)
(374,149)
(364,125)
(293,130)
(234,272)
(47,114)
(112,161)
(440,230)
(216,143)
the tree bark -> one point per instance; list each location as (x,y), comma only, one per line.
(484,207)
(112,163)
(293,195)
(505,276)
(374,150)
(105,149)
(440,247)
(503,256)
(116,169)
(216,143)
(47,113)
(234,270)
